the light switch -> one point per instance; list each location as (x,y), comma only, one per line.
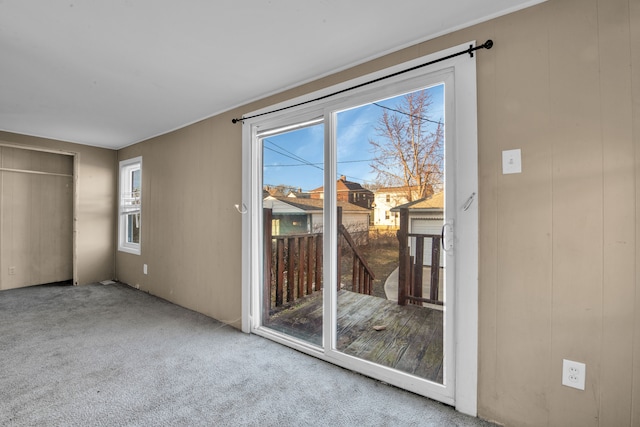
(511,161)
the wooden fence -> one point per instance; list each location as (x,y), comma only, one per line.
(293,265)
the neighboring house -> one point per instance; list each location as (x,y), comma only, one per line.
(298,195)
(348,191)
(385,200)
(298,216)
(272,191)
(426,216)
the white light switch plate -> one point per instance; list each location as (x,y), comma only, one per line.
(511,161)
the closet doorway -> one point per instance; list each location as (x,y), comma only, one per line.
(36,216)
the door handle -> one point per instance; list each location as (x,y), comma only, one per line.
(443,237)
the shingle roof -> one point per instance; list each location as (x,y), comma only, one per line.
(435,202)
(318,204)
(343,185)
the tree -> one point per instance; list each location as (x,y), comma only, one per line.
(409,153)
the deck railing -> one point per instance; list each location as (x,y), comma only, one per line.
(361,275)
(293,265)
(410,273)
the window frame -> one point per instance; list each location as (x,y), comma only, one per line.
(126,167)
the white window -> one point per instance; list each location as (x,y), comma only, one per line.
(130,205)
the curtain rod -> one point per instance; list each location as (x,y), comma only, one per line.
(486,45)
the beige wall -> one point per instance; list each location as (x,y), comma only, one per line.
(95,225)
(559,243)
(190,230)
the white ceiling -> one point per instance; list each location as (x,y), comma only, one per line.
(114,72)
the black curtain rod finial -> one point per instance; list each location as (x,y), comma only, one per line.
(486,45)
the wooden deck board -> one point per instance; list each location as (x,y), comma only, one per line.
(394,343)
(302,320)
(411,342)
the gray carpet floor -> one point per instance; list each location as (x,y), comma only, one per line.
(109,355)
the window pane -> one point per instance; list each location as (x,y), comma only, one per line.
(293,172)
(133,229)
(390,298)
(135,180)
(130,189)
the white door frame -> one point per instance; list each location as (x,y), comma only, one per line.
(465,298)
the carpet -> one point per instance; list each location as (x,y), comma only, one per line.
(110,355)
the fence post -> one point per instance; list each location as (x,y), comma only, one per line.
(435,268)
(403,256)
(301,265)
(319,257)
(291,268)
(339,221)
(355,271)
(279,271)
(310,264)
(417,273)
(267,261)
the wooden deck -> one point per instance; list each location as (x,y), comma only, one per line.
(411,340)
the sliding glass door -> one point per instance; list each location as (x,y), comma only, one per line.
(292,230)
(391,299)
(352,255)
(354,260)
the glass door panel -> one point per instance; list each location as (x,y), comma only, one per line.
(390,195)
(292,235)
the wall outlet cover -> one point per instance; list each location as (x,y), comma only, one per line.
(573,374)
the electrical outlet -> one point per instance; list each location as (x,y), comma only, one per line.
(144,269)
(12,271)
(573,374)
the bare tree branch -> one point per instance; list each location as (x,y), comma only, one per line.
(409,150)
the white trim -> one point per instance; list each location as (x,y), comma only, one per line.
(462,74)
(466,270)
(124,167)
(330,259)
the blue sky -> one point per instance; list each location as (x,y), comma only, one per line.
(296,158)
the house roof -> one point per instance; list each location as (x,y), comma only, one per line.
(343,185)
(274,191)
(298,195)
(316,205)
(427,204)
